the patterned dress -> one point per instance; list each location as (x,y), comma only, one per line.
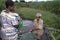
(9,19)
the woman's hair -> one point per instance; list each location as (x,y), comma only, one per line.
(9,3)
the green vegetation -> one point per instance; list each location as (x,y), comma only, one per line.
(57,35)
(52,6)
(29,13)
(2,5)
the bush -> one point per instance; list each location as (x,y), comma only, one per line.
(2,5)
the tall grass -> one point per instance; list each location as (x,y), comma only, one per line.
(50,19)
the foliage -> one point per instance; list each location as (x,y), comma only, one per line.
(52,6)
(2,6)
(22,0)
(57,35)
(29,13)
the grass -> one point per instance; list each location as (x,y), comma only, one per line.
(29,14)
(57,35)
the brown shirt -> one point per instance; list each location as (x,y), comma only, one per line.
(39,24)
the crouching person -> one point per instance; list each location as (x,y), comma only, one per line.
(38,26)
(9,20)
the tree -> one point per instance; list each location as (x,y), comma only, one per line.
(22,0)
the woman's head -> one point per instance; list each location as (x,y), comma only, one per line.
(38,15)
(10,5)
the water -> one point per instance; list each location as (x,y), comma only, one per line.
(28,25)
